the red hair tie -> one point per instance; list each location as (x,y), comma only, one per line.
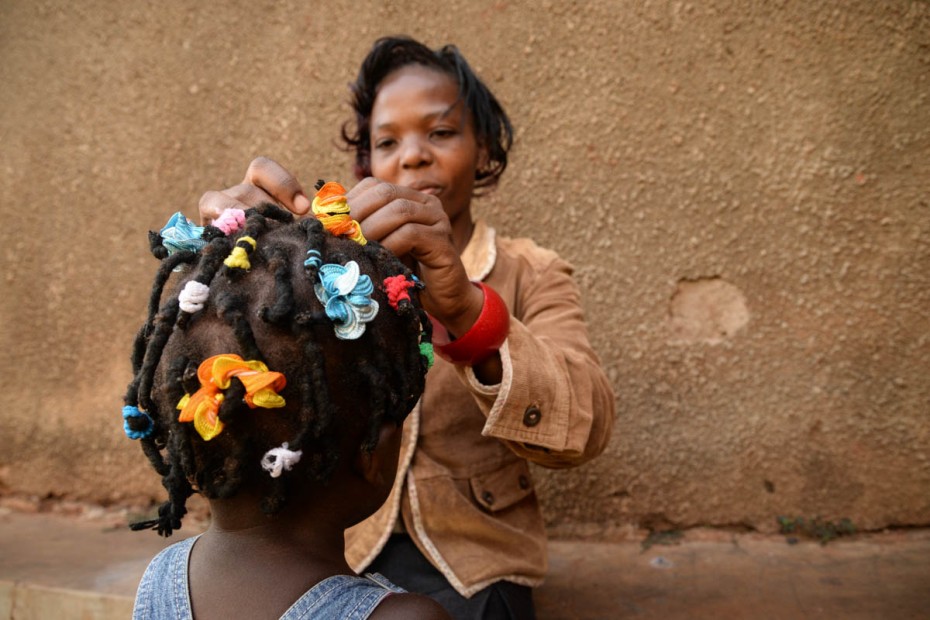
(485,337)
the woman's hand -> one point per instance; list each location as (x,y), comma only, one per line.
(409,223)
(412,224)
(265,181)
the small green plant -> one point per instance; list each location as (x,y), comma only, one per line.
(816,528)
(668,537)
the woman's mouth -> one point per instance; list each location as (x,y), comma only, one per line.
(433,190)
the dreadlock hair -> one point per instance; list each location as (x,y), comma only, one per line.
(492,125)
(338,391)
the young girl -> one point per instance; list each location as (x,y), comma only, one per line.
(518,380)
(275,380)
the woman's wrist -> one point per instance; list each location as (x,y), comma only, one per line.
(485,336)
(458,319)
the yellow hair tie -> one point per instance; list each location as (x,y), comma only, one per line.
(329,220)
(330,207)
(358,237)
(239,257)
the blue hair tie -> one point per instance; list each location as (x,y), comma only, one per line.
(315,259)
(134,412)
(180,234)
(346,296)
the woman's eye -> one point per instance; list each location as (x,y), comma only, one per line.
(443,133)
(384,143)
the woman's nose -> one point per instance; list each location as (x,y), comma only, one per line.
(415,153)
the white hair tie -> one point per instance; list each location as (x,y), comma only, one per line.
(193,296)
(280,459)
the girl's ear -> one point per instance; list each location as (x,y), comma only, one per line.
(379,466)
(484,158)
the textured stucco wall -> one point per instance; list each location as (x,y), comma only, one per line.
(743,189)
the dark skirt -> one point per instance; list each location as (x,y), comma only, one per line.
(401,562)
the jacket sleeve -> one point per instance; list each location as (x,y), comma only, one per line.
(554,405)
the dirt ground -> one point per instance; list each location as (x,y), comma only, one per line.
(61,559)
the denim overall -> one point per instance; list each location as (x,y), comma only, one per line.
(163,593)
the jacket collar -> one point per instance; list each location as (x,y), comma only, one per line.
(480,253)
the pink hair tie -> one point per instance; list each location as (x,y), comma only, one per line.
(230,221)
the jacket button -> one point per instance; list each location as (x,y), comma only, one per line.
(532,416)
(524,482)
(488,497)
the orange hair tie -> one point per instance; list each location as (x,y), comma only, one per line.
(215,374)
(330,207)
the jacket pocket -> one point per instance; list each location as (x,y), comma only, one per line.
(502,488)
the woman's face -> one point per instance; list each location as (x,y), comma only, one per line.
(422,136)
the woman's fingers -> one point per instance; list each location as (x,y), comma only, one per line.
(399,224)
(370,196)
(361,187)
(276,181)
(213,203)
(248,194)
(412,224)
(243,196)
(408,223)
(405,221)
(265,181)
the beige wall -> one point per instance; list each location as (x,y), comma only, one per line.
(743,189)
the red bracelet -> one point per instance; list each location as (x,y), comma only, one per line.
(485,337)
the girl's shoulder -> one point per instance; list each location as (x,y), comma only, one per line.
(162,593)
(170,559)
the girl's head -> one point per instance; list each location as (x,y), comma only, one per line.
(282,352)
(414,109)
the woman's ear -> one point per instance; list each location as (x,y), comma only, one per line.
(379,466)
(484,158)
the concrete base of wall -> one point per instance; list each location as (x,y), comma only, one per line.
(53,566)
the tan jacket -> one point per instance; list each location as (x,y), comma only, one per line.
(463,487)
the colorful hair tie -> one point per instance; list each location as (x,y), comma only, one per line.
(397,288)
(193,296)
(485,337)
(330,207)
(180,234)
(230,221)
(346,297)
(314,259)
(239,257)
(426,350)
(215,373)
(134,430)
(278,460)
